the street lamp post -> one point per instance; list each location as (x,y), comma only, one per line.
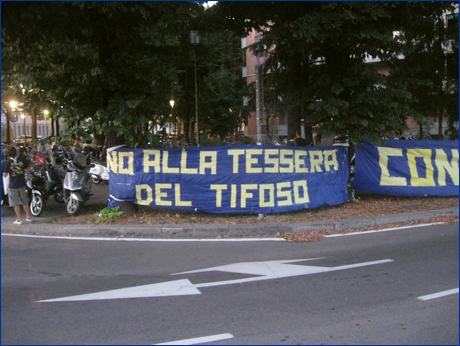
(171,102)
(195,39)
(258,110)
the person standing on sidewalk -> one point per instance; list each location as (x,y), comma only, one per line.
(16,166)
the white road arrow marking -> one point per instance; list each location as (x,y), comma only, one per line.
(162,289)
(200,340)
(264,271)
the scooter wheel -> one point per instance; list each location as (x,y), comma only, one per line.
(37,205)
(73,206)
(59,196)
(96,180)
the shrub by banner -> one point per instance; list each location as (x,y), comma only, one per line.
(407,168)
(241,179)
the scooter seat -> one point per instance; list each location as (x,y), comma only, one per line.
(79,161)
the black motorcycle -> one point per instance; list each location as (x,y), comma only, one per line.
(42,182)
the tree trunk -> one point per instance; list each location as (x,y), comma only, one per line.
(294,113)
(57,127)
(112,139)
(8,126)
(128,208)
(33,117)
(52,126)
(440,118)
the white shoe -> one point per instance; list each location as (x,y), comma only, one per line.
(17,222)
(28,219)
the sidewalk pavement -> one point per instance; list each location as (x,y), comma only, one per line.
(38,226)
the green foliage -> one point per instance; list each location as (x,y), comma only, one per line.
(109,214)
(246,140)
(120,63)
(317,60)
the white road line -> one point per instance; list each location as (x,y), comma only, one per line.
(384,229)
(201,340)
(140,239)
(438,294)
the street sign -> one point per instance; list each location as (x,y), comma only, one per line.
(14,117)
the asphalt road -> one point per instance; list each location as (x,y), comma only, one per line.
(371,288)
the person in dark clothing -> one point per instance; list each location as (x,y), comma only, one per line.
(318,138)
(398,135)
(291,142)
(299,141)
(16,166)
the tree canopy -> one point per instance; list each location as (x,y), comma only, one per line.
(119,63)
(319,53)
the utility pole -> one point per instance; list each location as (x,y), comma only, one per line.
(258,111)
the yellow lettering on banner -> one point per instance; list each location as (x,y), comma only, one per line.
(155,163)
(245,194)
(233,197)
(271,193)
(112,162)
(286,162)
(218,188)
(166,168)
(212,165)
(236,154)
(178,201)
(160,194)
(129,162)
(443,166)
(330,160)
(415,179)
(300,166)
(274,162)
(183,165)
(301,185)
(148,189)
(385,179)
(316,159)
(286,193)
(250,160)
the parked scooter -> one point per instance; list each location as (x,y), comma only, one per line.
(99,172)
(42,182)
(77,184)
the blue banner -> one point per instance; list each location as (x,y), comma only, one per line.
(407,168)
(249,179)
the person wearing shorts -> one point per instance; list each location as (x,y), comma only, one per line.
(16,166)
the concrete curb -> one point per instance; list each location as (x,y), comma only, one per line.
(211,231)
